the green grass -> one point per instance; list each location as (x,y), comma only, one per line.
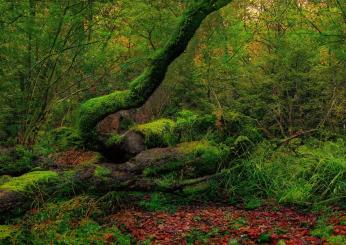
(309,173)
(71,221)
(159,202)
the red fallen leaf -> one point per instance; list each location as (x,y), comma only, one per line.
(340,229)
(108,237)
(33,210)
(313,240)
(294,242)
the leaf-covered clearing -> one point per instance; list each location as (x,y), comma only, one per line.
(231,225)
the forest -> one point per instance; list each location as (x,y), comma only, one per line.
(173,122)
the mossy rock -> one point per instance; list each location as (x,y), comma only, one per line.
(157,133)
(29,180)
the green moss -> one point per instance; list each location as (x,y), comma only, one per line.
(167,167)
(196,189)
(94,110)
(26,181)
(102,172)
(6,231)
(157,133)
(207,158)
(114,140)
(190,147)
(4,179)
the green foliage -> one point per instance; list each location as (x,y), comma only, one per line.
(252,203)
(17,160)
(192,126)
(264,238)
(6,231)
(302,174)
(159,202)
(115,200)
(113,140)
(59,139)
(102,172)
(335,240)
(28,181)
(241,129)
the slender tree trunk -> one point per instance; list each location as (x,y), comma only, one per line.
(96,109)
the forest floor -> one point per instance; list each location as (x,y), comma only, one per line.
(220,224)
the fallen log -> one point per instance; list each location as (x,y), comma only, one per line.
(191,163)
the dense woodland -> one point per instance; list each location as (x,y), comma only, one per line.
(173,122)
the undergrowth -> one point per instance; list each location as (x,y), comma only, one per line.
(304,173)
(70,221)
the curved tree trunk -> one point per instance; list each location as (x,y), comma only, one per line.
(96,109)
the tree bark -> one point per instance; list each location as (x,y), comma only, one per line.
(96,109)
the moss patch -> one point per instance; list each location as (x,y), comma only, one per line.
(157,133)
(94,110)
(167,167)
(114,140)
(190,147)
(26,181)
(102,172)
(6,231)
(207,158)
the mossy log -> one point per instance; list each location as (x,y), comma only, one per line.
(145,172)
(141,88)
(120,148)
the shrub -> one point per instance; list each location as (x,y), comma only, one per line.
(191,126)
(17,161)
(59,139)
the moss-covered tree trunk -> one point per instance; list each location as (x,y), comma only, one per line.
(96,109)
